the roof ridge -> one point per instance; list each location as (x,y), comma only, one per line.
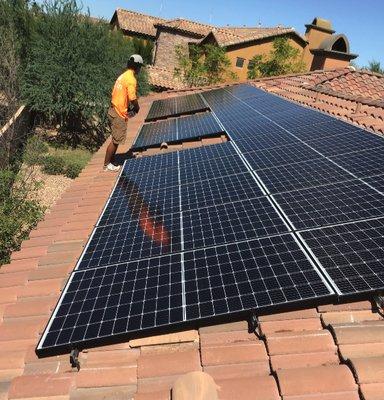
(140,14)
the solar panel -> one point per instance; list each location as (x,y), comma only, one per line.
(230,222)
(199,125)
(142,236)
(363,163)
(322,129)
(216,191)
(331,204)
(357,140)
(192,235)
(279,156)
(176,106)
(352,254)
(156,133)
(114,303)
(129,202)
(285,178)
(377,182)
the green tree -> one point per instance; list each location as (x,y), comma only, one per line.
(203,65)
(375,66)
(144,48)
(72,66)
(283,59)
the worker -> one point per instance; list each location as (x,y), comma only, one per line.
(124,106)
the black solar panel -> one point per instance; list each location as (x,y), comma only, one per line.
(113,303)
(176,106)
(142,236)
(199,125)
(377,182)
(279,156)
(178,129)
(226,189)
(346,143)
(191,235)
(156,133)
(230,222)
(302,175)
(363,163)
(352,254)
(322,129)
(331,204)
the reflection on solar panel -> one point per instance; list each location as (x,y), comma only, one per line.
(290,213)
(176,106)
(180,129)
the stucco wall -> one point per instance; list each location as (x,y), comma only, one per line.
(314,37)
(249,51)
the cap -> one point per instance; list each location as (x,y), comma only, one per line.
(137,59)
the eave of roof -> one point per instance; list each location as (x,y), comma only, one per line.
(339,55)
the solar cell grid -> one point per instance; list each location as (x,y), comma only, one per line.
(322,129)
(331,204)
(151,163)
(248,275)
(363,163)
(199,154)
(244,91)
(161,109)
(134,202)
(343,143)
(143,236)
(263,142)
(290,120)
(352,254)
(302,175)
(211,169)
(156,133)
(218,191)
(116,300)
(279,156)
(377,182)
(230,222)
(199,125)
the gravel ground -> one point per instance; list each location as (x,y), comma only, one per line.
(53,186)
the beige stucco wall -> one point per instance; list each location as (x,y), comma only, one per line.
(249,51)
(314,37)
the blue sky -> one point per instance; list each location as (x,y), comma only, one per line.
(360,20)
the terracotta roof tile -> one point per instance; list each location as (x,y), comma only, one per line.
(186,25)
(368,369)
(137,22)
(372,391)
(317,380)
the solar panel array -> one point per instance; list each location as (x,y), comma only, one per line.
(177,129)
(289,213)
(176,106)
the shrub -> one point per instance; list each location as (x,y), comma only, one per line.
(19,210)
(73,64)
(53,165)
(73,170)
(34,151)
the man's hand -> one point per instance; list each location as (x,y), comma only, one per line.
(136,107)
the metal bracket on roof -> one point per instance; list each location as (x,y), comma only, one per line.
(74,359)
(253,322)
(379,300)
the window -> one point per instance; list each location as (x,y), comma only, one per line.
(240,62)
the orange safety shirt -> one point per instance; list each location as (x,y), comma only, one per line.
(124,91)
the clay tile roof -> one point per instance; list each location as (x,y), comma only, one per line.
(231,36)
(136,22)
(188,26)
(327,352)
(163,78)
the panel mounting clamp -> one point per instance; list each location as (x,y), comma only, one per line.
(253,322)
(74,359)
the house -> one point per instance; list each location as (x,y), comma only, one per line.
(319,48)
(327,352)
